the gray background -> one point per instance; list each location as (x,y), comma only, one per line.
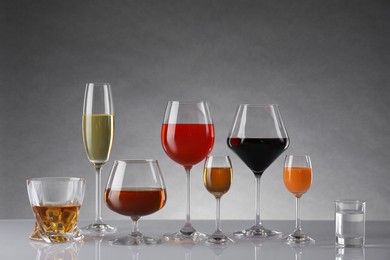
(326,63)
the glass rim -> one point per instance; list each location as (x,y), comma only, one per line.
(297,155)
(52,178)
(98,83)
(187,101)
(349,201)
(218,156)
(136,161)
(258,105)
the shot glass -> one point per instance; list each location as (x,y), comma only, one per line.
(350,223)
(56,203)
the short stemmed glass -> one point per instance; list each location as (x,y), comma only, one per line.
(217,178)
(187,137)
(297,177)
(258,137)
(98,136)
(135,188)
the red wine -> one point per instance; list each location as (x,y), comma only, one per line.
(187,144)
(257,153)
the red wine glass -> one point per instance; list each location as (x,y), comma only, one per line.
(187,137)
(258,137)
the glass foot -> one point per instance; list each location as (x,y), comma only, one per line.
(189,237)
(298,239)
(98,229)
(134,240)
(218,239)
(257,232)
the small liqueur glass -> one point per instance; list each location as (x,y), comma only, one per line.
(297,177)
(217,178)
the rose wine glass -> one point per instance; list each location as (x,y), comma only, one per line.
(258,137)
(98,136)
(297,177)
(217,178)
(187,137)
(135,189)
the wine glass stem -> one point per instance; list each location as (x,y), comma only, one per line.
(188,216)
(135,227)
(98,194)
(218,217)
(298,215)
(257,201)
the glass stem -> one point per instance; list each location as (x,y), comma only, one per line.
(188,215)
(298,215)
(188,229)
(98,194)
(218,215)
(135,231)
(257,201)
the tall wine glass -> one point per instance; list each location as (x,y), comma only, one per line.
(187,136)
(98,136)
(217,178)
(297,177)
(135,188)
(258,137)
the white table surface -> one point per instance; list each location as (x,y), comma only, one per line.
(15,244)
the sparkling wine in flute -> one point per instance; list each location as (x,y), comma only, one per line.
(258,137)
(98,136)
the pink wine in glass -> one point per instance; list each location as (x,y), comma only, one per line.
(187,137)
(187,144)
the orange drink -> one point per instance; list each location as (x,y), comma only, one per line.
(297,179)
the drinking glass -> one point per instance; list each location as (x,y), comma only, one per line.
(297,177)
(350,217)
(135,188)
(258,137)
(187,137)
(56,203)
(217,178)
(98,136)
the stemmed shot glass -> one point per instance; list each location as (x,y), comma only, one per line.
(135,189)
(98,136)
(217,178)
(297,177)
(258,137)
(187,137)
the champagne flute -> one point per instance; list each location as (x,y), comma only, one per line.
(187,137)
(135,188)
(258,137)
(98,136)
(297,177)
(217,178)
